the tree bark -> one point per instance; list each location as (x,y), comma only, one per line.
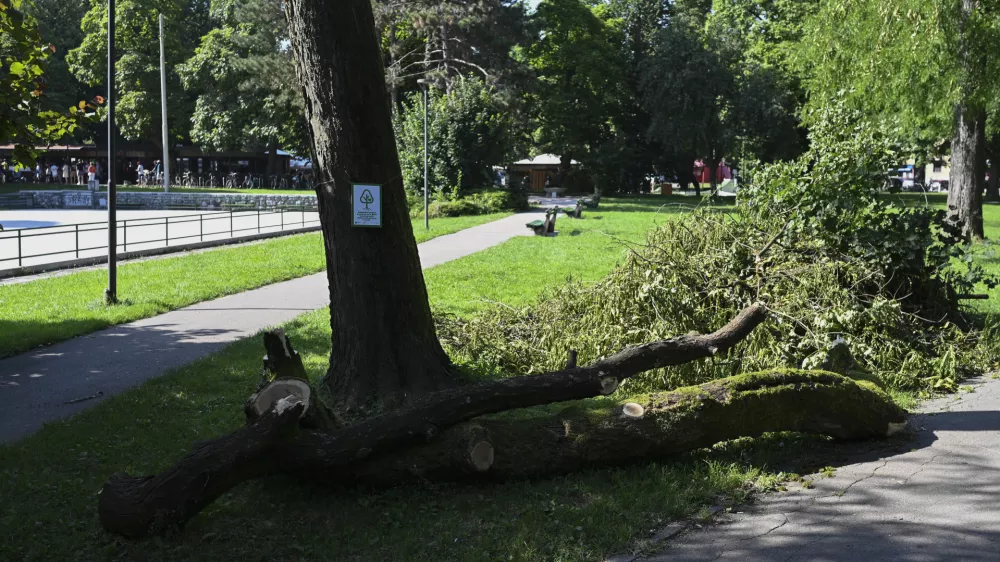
(993,156)
(968,159)
(642,428)
(136,507)
(385,349)
(713,171)
(965,194)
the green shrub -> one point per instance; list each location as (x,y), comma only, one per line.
(810,240)
(480,203)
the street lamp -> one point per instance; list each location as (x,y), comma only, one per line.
(111,293)
(423,84)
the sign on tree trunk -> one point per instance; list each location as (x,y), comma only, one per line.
(367,205)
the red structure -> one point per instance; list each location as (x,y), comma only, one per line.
(703,175)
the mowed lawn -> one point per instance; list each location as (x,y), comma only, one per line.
(50,310)
(50,479)
(585,250)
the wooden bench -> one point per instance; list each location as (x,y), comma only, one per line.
(547,226)
(591,202)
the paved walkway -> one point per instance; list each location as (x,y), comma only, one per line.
(937,499)
(66,378)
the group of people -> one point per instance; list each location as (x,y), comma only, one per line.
(67,173)
(75,172)
(141,174)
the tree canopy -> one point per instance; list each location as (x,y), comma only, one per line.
(24,60)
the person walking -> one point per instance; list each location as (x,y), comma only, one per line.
(65,173)
(54,172)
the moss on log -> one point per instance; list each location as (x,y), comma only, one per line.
(650,427)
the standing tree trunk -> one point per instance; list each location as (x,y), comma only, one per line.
(713,170)
(968,151)
(968,163)
(385,349)
(993,155)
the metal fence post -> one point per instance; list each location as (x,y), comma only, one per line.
(281,213)
(201,227)
(167,241)
(19,251)
(124,236)
(258,220)
(230,223)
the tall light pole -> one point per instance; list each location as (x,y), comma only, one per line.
(427,222)
(163,103)
(111,293)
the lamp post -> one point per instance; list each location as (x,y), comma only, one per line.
(427,222)
(111,292)
(165,166)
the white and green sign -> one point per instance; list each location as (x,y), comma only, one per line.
(367,205)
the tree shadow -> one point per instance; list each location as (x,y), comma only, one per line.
(57,381)
(931,496)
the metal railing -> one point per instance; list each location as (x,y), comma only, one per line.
(75,241)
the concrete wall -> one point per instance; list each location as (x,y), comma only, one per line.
(69,199)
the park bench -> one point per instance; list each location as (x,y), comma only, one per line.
(591,202)
(15,201)
(576,213)
(547,226)
(133,206)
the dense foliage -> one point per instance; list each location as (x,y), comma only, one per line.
(480,202)
(24,57)
(567,77)
(471,132)
(810,239)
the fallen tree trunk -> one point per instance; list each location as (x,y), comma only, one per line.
(122,508)
(153,504)
(640,428)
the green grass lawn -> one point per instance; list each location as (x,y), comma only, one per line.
(585,250)
(54,309)
(50,479)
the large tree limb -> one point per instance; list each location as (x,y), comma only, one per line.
(640,428)
(425,419)
(137,506)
